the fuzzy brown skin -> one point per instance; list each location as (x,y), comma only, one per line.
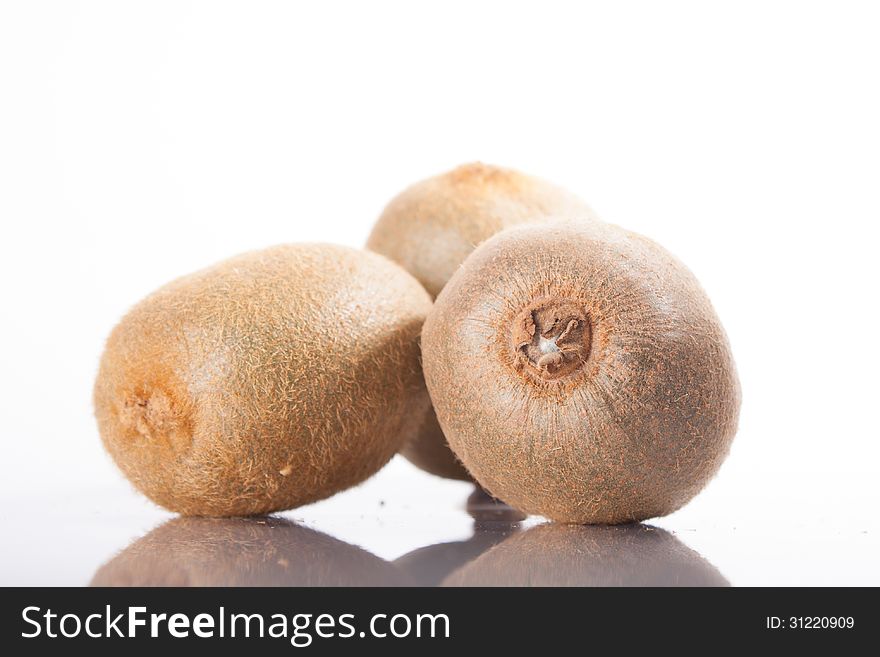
(431,227)
(268,381)
(566,555)
(580,373)
(243,552)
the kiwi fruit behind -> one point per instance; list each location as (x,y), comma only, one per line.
(268,381)
(580,373)
(267,551)
(431,227)
(571,555)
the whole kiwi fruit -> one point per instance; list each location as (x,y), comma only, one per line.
(580,373)
(268,381)
(570,555)
(267,551)
(431,227)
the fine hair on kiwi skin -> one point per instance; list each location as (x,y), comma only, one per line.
(573,555)
(432,226)
(580,373)
(268,551)
(270,380)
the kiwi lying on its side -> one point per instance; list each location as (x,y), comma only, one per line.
(431,227)
(268,381)
(580,373)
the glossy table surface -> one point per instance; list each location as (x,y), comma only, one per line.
(405,528)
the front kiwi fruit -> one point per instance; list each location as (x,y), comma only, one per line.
(431,227)
(268,381)
(580,373)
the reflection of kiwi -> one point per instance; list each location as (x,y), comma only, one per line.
(270,380)
(428,566)
(243,552)
(493,522)
(580,373)
(570,555)
(486,510)
(430,229)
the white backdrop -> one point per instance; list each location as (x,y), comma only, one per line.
(143,140)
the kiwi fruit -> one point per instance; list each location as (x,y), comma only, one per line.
(243,552)
(431,227)
(580,373)
(572,555)
(268,381)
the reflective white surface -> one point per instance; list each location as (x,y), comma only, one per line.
(405,528)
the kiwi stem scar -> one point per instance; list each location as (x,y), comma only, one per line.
(551,338)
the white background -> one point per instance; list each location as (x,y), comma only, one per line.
(143,140)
